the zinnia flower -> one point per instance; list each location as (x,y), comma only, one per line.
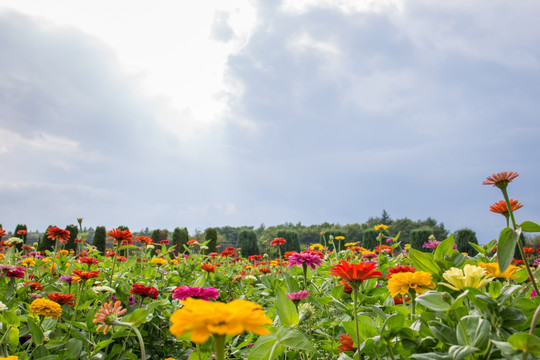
(431,244)
(144,291)
(46,307)
(183,292)
(297,296)
(2,232)
(304,258)
(107,314)
(159,261)
(34,285)
(470,277)
(264,270)
(346,343)
(494,270)
(398,269)
(501,179)
(124,236)
(339,238)
(355,274)
(12,271)
(278,241)
(85,275)
(203,318)
(317,247)
(191,242)
(402,283)
(380,227)
(10,357)
(56,233)
(501,207)
(209,268)
(89,261)
(61,299)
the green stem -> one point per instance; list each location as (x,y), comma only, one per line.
(413,303)
(113,264)
(219,341)
(355,299)
(304,267)
(535,318)
(136,331)
(81,285)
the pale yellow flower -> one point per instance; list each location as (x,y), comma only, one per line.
(471,276)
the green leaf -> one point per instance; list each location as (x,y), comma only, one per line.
(507,245)
(443,332)
(13,336)
(431,356)
(529,226)
(474,332)
(446,247)
(525,342)
(513,317)
(433,301)
(478,248)
(424,262)
(458,352)
(366,327)
(288,315)
(11,318)
(495,289)
(392,325)
(35,330)
(263,346)
(137,317)
(125,247)
(75,347)
(295,339)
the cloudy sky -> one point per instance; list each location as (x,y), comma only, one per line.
(198,114)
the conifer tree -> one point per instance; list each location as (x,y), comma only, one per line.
(247,241)
(46,243)
(180,237)
(100,239)
(212,235)
(73,232)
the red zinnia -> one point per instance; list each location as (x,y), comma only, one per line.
(22,232)
(88,261)
(501,179)
(501,207)
(346,287)
(278,241)
(145,291)
(265,270)
(125,236)
(55,232)
(354,274)
(346,343)
(34,285)
(399,269)
(254,258)
(166,242)
(85,275)
(193,241)
(61,299)
(2,232)
(209,268)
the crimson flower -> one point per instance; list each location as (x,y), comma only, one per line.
(399,269)
(501,207)
(124,236)
(22,232)
(85,275)
(34,285)
(346,343)
(278,241)
(144,291)
(355,274)
(62,299)
(501,179)
(59,234)
(88,261)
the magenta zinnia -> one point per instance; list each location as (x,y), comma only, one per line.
(297,296)
(305,258)
(184,292)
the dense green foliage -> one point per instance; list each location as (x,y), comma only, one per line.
(100,239)
(212,235)
(292,244)
(23,236)
(462,238)
(370,239)
(73,232)
(46,243)
(247,241)
(420,236)
(180,237)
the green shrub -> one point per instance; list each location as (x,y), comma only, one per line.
(46,243)
(212,235)
(462,238)
(73,232)
(180,237)
(100,239)
(369,237)
(247,241)
(292,242)
(420,236)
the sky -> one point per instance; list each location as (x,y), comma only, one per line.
(238,112)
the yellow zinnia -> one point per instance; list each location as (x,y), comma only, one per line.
(350,244)
(380,227)
(493,269)
(204,318)
(28,262)
(45,307)
(401,283)
(316,247)
(340,238)
(63,252)
(471,276)
(11,357)
(159,261)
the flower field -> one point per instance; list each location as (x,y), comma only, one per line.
(393,302)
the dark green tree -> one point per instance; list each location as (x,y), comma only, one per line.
(462,239)
(247,241)
(385,218)
(46,243)
(100,239)
(180,237)
(420,236)
(292,242)
(212,235)
(369,237)
(23,235)
(73,232)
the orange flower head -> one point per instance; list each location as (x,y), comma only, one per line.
(501,207)
(59,234)
(2,232)
(209,268)
(501,179)
(61,299)
(125,236)
(346,343)
(355,274)
(85,275)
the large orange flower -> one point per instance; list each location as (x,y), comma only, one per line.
(354,274)
(125,236)
(85,275)
(55,232)
(501,207)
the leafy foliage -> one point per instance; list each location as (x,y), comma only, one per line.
(247,241)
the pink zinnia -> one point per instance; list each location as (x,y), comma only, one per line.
(184,292)
(305,258)
(12,271)
(431,244)
(501,179)
(297,296)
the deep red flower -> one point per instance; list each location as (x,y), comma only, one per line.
(227,253)
(62,299)
(501,179)
(264,270)
(59,234)
(278,241)
(85,275)
(22,232)
(2,232)
(144,291)
(399,269)
(501,207)
(398,300)
(121,258)
(164,242)
(192,241)
(88,261)
(124,236)
(346,343)
(347,288)
(254,258)
(355,274)
(34,285)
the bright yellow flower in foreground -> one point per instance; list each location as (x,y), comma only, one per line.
(493,269)
(380,227)
(204,318)
(11,357)
(401,283)
(28,262)
(471,276)
(159,261)
(316,247)
(45,307)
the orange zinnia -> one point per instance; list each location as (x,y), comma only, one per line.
(61,299)
(501,179)
(121,235)
(85,275)
(55,232)
(209,268)
(501,207)
(2,232)
(354,274)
